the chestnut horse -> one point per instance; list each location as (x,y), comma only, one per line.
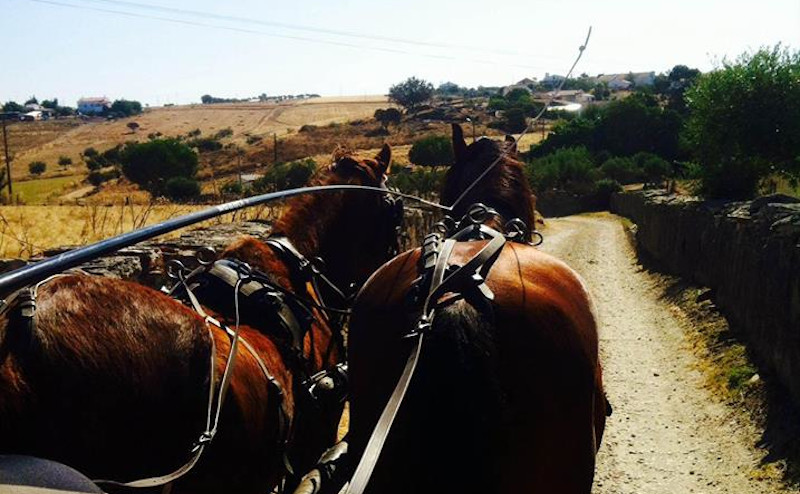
(507,394)
(112,378)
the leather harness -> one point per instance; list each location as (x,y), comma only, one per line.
(439,278)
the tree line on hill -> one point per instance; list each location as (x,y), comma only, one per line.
(729,133)
(207,99)
(119,108)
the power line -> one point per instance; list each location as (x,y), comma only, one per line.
(299,27)
(282,36)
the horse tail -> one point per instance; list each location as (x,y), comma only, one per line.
(458,397)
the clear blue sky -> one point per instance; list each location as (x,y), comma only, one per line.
(58,51)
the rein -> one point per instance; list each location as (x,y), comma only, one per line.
(441,278)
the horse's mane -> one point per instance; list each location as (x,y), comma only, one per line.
(505,188)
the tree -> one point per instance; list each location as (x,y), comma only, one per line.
(151,164)
(64,161)
(12,106)
(133,126)
(743,124)
(388,116)
(32,101)
(126,107)
(411,93)
(432,151)
(37,167)
(52,104)
(182,188)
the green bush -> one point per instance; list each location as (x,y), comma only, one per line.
(654,168)
(205,144)
(743,122)
(284,176)
(126,107)
(233,188)
(569,169)
(434,150)
(418,181)
(604,188)
(623,170)
(97,177)
(152,164)
(37,167)
(182,188)
(64,161)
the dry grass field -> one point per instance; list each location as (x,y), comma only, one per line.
(46,141)
(28,231)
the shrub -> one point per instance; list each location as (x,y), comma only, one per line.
(654,168)
(253,139)
(743,123)
(420,181)
(233,188)
(205,144)
(97,177)
(194,133)
(569,169)
(284,176)
(434,150)
(37,167)
(126,108)
(182,188)
(151,164)
(388,116)
(223,133)
(603,190)
(623,170)
(64,161)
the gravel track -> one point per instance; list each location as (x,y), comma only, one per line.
(668,434)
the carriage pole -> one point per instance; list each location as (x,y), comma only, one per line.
(38,271)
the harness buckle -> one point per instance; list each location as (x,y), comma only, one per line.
(205,438)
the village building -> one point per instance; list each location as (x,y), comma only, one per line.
(93,106)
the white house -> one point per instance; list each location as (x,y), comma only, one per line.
(93,106)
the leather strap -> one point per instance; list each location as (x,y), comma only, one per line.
(474,271)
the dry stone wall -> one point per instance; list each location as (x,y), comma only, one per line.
(748,253)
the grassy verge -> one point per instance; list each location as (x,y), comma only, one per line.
(733,374)
(39,191)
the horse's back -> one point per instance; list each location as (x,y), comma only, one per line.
(505,393)
(105,369)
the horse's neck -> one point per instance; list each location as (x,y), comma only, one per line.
(317,231)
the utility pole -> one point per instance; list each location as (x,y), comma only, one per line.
(275,147)
(8,158)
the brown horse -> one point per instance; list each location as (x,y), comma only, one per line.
(112,378)
(507,394)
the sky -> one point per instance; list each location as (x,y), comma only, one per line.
(174,51)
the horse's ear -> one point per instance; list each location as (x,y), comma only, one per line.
(384,158)
(459,145)
(512,145)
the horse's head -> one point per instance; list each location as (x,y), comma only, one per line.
(504,188)
(353,231)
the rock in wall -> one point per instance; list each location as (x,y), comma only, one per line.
(748,253)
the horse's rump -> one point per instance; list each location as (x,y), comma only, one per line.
(502,386)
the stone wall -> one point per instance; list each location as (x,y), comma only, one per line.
(145,262)
(554,203)
(748,253)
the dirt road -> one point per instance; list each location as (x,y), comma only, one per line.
(667,433)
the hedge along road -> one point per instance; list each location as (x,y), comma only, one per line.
(667,434)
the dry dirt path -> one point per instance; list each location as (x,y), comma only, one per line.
(667,434)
